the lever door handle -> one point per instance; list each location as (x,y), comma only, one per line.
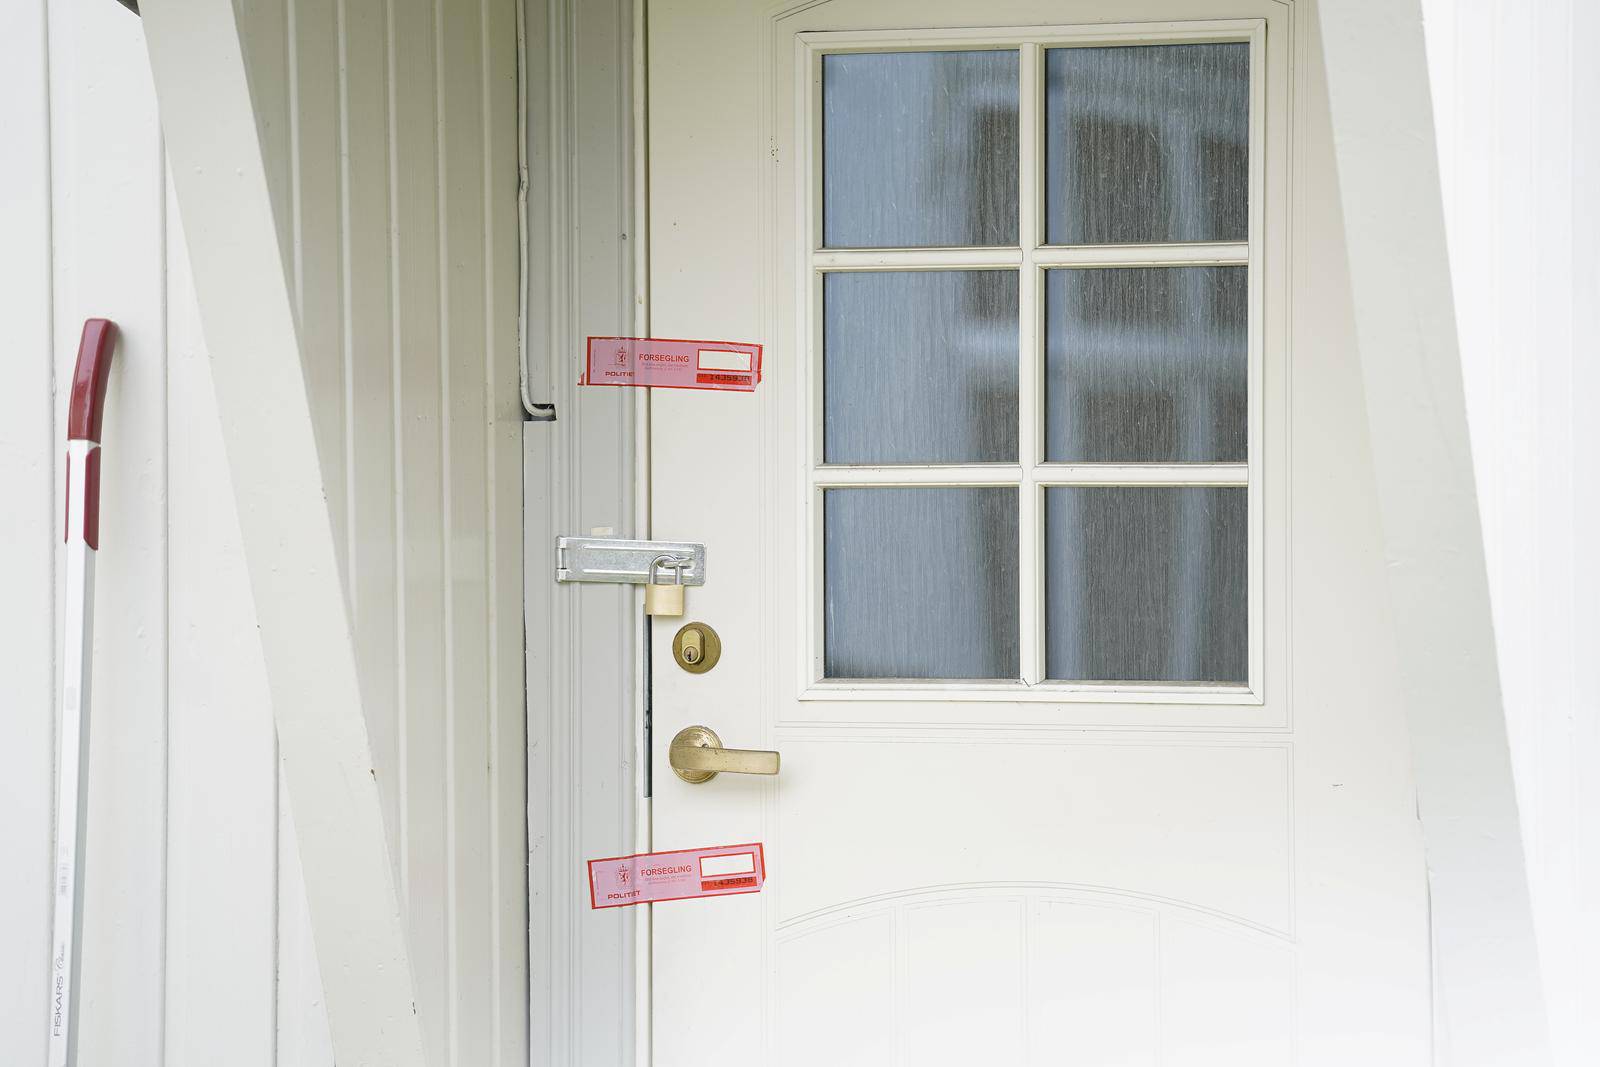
(697,755)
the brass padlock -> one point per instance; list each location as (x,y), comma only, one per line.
(665,599)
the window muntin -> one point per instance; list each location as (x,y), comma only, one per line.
(1138,368)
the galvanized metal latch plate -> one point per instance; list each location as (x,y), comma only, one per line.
(612,559)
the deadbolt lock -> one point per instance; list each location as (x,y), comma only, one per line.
(696,647)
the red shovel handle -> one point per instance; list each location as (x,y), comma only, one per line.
(89,377)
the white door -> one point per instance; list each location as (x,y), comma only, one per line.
(1045,553)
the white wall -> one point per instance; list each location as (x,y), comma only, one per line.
(400,241)
(1517,98)
(390,143)
(190,872)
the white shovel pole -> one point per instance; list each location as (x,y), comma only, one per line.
(83,538)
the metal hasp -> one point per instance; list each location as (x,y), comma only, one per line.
(612,559)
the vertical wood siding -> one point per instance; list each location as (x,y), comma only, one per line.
(1517,97)
(390,134)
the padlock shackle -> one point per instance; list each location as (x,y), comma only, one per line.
(662,599)
(671,562)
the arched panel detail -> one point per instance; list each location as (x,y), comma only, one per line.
(1031,972)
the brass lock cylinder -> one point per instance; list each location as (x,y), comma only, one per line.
(696,647)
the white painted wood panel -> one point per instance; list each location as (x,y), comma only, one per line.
(222,764)
(302,1034)
(1489,1006)
(108,230)
(464,402)
(505,1012)
(420,448)
(29,533)
(583,772)
(366,342)
(199,946)
(1517,99)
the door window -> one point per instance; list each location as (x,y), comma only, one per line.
(1036,347)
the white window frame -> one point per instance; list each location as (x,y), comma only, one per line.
(1261,254)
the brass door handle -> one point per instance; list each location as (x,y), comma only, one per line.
(697,755)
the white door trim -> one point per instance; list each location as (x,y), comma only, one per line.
(588,974)
(1267,314)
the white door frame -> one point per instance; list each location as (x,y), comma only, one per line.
(588,974)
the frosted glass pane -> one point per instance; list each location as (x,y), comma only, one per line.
(920,367)
(1146,584)
(919,149)
(920,583)
(1146,365)
(1147,143)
